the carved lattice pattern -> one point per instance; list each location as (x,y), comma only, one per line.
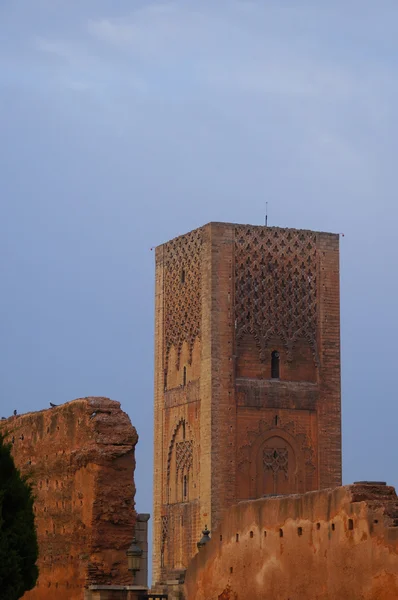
(165,527)
(182,283)
(184,455)
(276,285)
(276,459)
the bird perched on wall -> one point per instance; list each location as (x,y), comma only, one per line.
(93,414)
(15,412)
(3,418)
(53,405)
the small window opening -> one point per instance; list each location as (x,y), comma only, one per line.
(251,534)
(333,527)
(275,365)
(220,538)
(237,537)
(265,534)
(318,525)
(183,276)
(162,559)
(375,521)
(165,380)
(281,533)
(231,569)
(183,430)
(350,524)
(184,376)
(299,531)
(276,420)
(185,487)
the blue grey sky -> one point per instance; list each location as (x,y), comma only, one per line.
(124,124)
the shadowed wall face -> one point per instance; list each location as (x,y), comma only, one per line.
(247,375)
(80,459)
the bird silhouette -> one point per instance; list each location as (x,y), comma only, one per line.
(15,412)
(53,405)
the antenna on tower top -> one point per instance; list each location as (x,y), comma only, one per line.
(266,214)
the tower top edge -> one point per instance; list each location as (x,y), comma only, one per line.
(227,224)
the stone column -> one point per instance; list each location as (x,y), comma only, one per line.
(141,535)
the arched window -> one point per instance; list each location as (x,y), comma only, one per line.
(184,376)
(275,364)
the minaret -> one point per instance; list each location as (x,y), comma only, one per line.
(247,376)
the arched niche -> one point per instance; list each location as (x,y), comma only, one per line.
(276,465)
(182,468)
(182,367)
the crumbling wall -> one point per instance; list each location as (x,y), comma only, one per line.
(80,459)
(333,544)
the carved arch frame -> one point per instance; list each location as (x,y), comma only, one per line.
(304,453)
(299,473)
(179,424)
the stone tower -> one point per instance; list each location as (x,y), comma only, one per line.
(247,376)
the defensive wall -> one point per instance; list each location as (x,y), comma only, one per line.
(339,544)
(79,457)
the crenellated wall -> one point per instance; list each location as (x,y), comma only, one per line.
(80,459)
(335,544)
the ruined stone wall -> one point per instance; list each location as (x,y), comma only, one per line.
(80,458)
(333,544)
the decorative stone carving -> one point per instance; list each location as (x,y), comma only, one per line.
(276,286)
(182,282)
(265,430)
(276,459)
(184,455)
(165,528)
(181,424)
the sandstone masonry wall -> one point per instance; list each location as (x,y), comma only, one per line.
(80,459)
(227,426)
(332,545)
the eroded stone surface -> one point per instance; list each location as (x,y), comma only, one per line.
(331,544)
(80,458)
